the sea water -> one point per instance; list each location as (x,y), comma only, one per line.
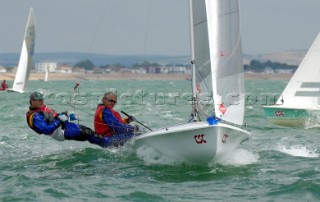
(277,164)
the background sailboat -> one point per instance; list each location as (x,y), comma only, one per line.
(299,103)
(25,61)
(46,74)
(217,76)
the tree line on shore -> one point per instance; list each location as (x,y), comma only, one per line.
(259,67)
(254,66)
(88,65)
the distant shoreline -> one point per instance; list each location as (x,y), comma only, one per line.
(265,76)
(132,76)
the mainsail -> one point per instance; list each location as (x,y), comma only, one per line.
(25,62)
(218,57)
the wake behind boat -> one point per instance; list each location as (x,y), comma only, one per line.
(299,104)
(26,56)
(217,75)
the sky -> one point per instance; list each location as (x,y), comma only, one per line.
(147,27)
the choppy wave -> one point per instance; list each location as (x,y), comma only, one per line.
(279,164)
(298,150)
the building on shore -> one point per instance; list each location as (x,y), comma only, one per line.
(3,69)
(42,66)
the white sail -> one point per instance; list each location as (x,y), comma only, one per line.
(218,56)
(46,74)
(25,62)
(303,89)
(200,54)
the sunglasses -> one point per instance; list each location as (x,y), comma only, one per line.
(110,100)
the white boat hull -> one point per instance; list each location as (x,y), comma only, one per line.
(196,142)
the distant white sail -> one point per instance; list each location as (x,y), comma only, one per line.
(46,74)
(299,103)
(303,89)
(25,62)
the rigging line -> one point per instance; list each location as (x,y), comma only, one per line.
(98,27)
(75,93)
(73,100)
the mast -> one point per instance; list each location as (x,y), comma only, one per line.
(193,63)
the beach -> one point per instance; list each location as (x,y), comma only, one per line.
(133,76)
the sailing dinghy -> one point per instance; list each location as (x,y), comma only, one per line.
(299,103)
(25,62)
(218,74)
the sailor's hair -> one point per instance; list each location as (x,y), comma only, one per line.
(107,94)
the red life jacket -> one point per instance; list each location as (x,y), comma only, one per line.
(45,110)
(4,86)
(100,126)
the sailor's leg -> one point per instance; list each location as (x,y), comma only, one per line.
(82,133)
(115,140)
(58,134)
(101,141)
(120,139)
(72,131)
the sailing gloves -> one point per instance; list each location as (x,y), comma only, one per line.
(64,116)
(136,128)
(131,118)
(72,116)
